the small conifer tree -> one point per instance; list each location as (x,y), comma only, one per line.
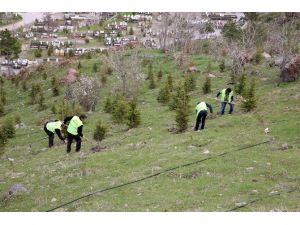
(182,109)
(134,115)
(99,133)
(9,128)
(79,65)
(222,66)
(240,88)
(108,105)
(206,86)
(249,103)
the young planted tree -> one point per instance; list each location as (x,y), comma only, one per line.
(182,109)
(208,67)
(164,95)
(9,128)
(159,74)
(206,86)
(170,82)
(108,105)
(79,66)
(3,99)
(249,103)
(240,88)
(222,66)
(34,93)
(152,84)
(41,102)
(3,140)
(99,133)
(1,108)
(190,82)
(150,71)
(18,119)
(55,90)
(134,115)
(120,110)
(95,68)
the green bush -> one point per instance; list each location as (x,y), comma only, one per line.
(222,66)
(249,102)
(38,53)
(190,82)
(241,85)
(108,105)
(99,132)
(120,110)
(134,115)
(41,102)
(79,66)
(164,95)
(182,109)
(9,128)
(159,74)
(206,86)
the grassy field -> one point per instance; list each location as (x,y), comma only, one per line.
(264,174)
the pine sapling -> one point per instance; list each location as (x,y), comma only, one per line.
(99,133)
(134,115)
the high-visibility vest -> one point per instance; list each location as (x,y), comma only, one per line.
(52,126)
(201,107)
(74,124)
(223,94)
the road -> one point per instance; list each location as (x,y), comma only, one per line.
(28,18)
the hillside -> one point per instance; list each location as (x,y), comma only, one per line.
(242,165)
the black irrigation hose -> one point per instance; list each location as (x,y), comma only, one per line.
(259,199)
(153,175)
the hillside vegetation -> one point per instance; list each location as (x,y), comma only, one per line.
(258,170)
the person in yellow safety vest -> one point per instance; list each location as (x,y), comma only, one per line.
(201,113)
(226,96)
(74,131)
(54,127)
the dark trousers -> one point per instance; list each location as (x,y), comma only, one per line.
(201,119)
(72,137)
(223,106)
(50,135)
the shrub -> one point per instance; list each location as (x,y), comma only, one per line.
(44,76)
(208,67)
(55,91)
(41,102)
(1,108)
(159,74)
(99,132)
(3,99)
(9,128)
(152,84)
(38,53)
(182,109)
(206,86)
(108,105)
(120,110)
(17,119)
(134,115)
(34,93)
(79,66)
(241,85)
(3,140)
(222,66)
(50,51)
(190,82)
(170,82)
(249,101)
(164,95)
(95,67)
(86,92)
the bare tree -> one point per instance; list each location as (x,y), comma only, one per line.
(127,69)
(166,22)
(86,91)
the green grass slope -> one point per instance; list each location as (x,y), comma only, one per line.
(262,176)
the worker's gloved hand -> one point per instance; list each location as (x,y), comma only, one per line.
(65,141)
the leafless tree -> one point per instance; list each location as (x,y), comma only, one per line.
(86,91)
(128,71)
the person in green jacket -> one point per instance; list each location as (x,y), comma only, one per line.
(201,113)
(54,127)
(74,131)
(226,96)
